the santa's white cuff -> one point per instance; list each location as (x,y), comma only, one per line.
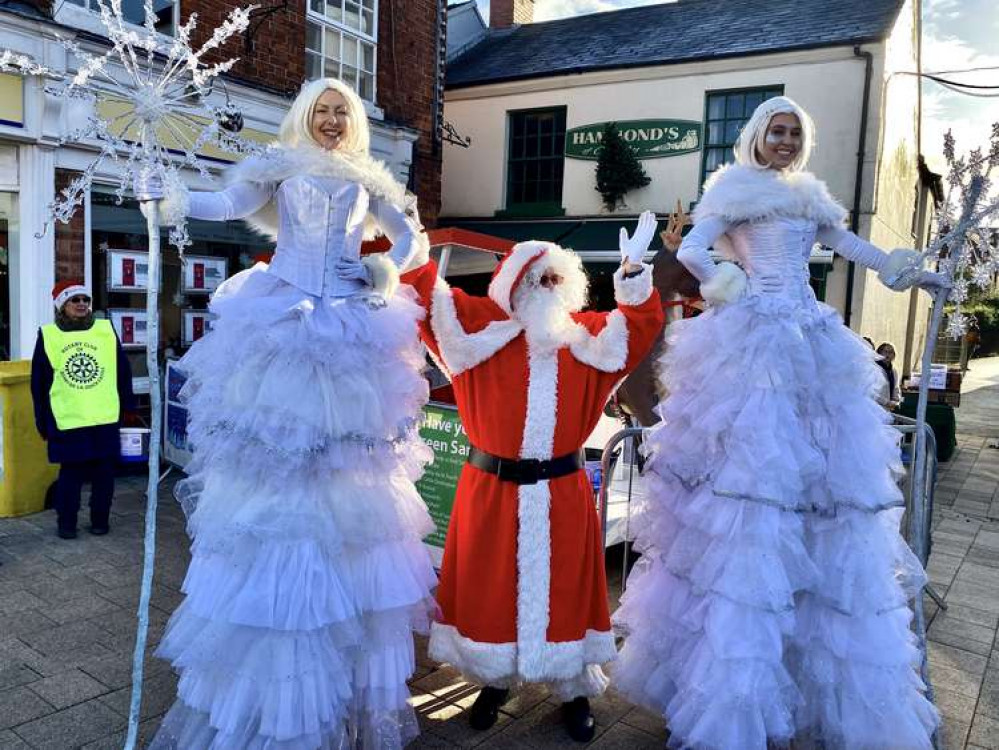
(727,284)
(634,290)
(384,274)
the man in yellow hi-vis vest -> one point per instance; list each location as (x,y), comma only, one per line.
(81,384)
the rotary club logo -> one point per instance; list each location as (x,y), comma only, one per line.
(82,370)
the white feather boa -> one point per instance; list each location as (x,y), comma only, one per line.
(740,194)
(278,163)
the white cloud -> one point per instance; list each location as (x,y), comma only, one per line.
(547,10)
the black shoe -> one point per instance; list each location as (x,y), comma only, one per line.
(66,533)
(485,710)
(579,721)
(99,530)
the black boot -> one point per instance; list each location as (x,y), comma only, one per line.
(578,718)
(485,710)
(99,523)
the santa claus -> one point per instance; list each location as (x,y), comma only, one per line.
(522,592)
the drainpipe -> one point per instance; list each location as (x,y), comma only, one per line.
(859,177)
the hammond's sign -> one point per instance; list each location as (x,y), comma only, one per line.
(649,139)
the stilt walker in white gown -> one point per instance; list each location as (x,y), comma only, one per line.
(771,603)
(307,574)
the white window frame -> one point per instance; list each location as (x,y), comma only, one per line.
(88,19)
(324,21)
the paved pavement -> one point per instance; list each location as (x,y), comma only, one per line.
(67,624)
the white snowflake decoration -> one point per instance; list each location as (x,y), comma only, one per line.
(162,85)
(966,243)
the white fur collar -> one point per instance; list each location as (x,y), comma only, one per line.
(738,194)
(278,163)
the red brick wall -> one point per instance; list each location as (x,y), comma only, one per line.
(405,88)
(70,238)
(277,58)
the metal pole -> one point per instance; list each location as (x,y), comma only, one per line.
(152,211)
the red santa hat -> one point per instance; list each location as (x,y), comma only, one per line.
(514,268)
(66,290)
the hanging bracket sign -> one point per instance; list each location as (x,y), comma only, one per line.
(649,139)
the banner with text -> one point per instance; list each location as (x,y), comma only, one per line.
(442,431)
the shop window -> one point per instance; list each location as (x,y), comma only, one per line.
(725,112)
(134,11)
(817,277)
(536,162)
(8,245)
(341,38)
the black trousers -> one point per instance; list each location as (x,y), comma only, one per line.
(100,473)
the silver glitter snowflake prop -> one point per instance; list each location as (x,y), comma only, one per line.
(143,103)
(966,243)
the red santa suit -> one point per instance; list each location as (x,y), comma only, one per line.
(522,591)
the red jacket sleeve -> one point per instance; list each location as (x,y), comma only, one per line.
(423,280)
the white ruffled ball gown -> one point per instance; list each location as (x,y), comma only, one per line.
(308,575)
(771,601)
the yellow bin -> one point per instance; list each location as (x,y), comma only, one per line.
(25,471)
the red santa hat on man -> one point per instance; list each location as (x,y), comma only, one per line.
(64,291)
(533,258)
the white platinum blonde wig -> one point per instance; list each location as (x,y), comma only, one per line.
(754,133)
(296,128)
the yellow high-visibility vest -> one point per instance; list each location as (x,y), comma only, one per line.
(84,390)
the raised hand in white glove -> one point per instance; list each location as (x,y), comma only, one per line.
(347,268)
(633,248)
(148,186)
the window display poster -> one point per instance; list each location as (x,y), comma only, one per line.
(202,274)
(442,430)
(128,271)
(130,325)
(196,323)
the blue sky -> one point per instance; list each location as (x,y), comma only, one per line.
(957,35)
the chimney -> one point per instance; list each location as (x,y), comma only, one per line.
(505,13)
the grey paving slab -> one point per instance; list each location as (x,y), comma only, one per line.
(985,733)
(72,727)
(68,689)
(19,704)
(10,741)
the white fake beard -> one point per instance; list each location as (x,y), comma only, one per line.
(546,312)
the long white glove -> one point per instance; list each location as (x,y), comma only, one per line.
(353,269)
(633,248)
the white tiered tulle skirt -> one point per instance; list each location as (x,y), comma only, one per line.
(308,575)
(771,602)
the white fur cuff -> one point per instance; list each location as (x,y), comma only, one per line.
(635,290)
(175,204)
(384,274)
(901,269)
(727,285)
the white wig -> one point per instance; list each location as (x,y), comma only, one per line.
(296,128)
(754,133)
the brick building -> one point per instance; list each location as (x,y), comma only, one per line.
(389,50)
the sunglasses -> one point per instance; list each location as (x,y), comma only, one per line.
(550,280)
(79,300)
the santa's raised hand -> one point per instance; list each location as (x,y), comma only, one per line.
(633,248)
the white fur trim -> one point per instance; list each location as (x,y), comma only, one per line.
(460,350)
(384,274)
(738,193)
(608,350)
(633,291)
(277,164)
(727,285)
(175,204)
(591,683)
(496,663)
(523,254)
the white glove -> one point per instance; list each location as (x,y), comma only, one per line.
(633,248)
(353,269)
(148,186)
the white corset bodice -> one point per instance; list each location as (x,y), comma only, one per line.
(775,256)
(321,222)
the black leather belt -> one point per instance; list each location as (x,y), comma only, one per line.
(526,470)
